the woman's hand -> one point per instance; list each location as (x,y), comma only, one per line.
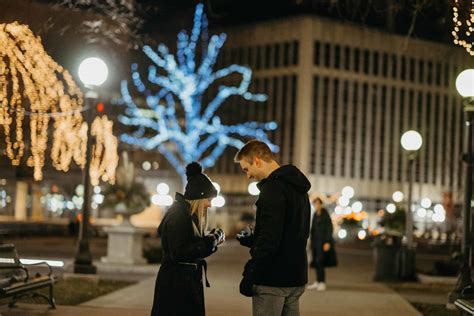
(326,247)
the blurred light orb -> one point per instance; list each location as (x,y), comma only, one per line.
(411,140)
(465,83)
(391,208)
(426,202)
(342,233)
(357,207)
(348,192)
(218,201)
(421,212)
(343,200)
(397,196)
(93,71)
(162,188)
(253,189)
(146,165)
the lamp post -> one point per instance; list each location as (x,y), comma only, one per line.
(411,141)
(93,73)
(465,87)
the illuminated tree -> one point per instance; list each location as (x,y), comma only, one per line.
(35,90)
(175,121)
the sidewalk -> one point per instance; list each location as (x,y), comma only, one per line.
(350,290)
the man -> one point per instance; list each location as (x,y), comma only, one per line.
(277,272)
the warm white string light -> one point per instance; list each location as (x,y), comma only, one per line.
(34,90)
(104,152)
(468,25)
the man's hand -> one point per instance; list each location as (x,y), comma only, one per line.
(245,238)
(246,287)
(326,247)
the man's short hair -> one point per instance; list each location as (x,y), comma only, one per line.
(252,149)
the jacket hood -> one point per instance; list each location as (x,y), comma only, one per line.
(293,176)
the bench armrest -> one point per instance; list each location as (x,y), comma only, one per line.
(36,264)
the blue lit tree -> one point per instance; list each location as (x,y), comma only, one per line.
(174,120)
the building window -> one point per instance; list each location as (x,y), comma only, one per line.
(268,56)
(438,74)
(286,54)
(421,71)
(347,58)
(356,59)
(327,55)
(412,69)
(314,124)
(317,53)
(375,63)
(296,52)
(403,70)
(366,61)
(355,99)
(446,75)
(385,64)
(335,126)
(337,56)
(258,64)
(394,66)
(324,122)
(429,78)
(276,56)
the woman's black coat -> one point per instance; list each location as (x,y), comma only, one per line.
(321,233)
(178,289)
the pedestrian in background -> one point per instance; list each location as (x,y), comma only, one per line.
(322,244)
(179,287)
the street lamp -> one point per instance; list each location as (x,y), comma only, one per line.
(465,87)
(411,141)
(93,73)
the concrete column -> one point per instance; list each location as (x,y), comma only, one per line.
(304,96)
(20,200)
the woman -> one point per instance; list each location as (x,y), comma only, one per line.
(322,244)
(178,289)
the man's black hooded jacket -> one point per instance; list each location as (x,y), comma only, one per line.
(278,253)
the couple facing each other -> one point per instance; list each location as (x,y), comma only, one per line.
(276,274)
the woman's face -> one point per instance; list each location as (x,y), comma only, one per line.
(207,203)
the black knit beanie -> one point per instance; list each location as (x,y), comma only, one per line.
(199,185)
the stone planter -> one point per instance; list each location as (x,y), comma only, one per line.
(124,245)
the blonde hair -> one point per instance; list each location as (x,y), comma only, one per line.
(198,208)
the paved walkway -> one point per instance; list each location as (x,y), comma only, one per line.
(350,291)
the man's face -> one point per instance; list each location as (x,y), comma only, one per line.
(252,170)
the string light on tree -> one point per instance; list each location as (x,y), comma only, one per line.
(35,90)
(468,26)
(175,121)
(32,84)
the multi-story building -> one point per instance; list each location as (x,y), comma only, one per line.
(342,95)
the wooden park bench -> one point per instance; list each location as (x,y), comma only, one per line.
(465,307)
(16,280)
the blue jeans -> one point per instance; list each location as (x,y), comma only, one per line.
(276,301)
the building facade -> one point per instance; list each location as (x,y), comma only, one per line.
(342,96)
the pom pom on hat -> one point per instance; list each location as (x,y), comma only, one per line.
(193,169)
(199,185)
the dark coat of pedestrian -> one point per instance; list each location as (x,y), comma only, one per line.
(322,244)
(179,287)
